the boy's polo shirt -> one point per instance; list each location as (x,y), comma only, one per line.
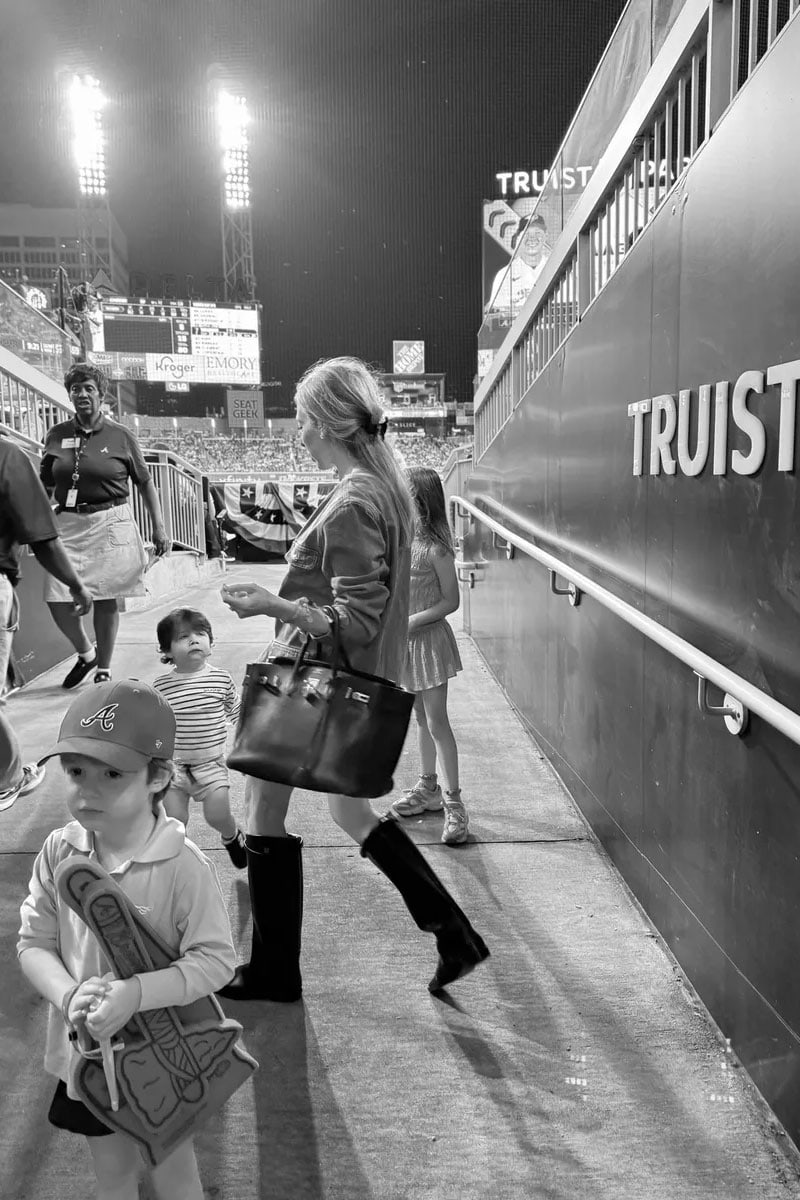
(175,889)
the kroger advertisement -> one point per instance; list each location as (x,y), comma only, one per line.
(175,341)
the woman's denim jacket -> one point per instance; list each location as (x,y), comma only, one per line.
(349,555)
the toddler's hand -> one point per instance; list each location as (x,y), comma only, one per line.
(114,1009)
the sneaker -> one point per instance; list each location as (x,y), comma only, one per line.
(102,676)
(78,671)
(456,822)
(237,849)
(32,776)
(418,799)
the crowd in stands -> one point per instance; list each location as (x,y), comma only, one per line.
(263,456)
(25,332)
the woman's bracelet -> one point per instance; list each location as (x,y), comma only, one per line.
(66,1000)
(304,613)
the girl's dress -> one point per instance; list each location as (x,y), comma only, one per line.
(433,654)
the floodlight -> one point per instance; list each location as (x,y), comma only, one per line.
(88,144)
(232,120)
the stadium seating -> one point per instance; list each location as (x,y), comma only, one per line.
(268,455)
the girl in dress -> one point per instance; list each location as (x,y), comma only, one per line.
(433,659)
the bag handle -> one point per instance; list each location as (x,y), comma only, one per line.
(340,659)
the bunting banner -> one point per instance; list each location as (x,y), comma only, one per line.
(266,517)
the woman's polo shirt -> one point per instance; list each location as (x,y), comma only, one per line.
(109,456)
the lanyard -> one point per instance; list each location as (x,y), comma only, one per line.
(79,444)
(79,451)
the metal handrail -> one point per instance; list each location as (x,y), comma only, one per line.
(770,710)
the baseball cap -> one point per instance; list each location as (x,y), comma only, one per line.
(123,724)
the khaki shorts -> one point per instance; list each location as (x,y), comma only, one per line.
(199,780)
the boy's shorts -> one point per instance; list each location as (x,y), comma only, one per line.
(74,1116)
(199,780)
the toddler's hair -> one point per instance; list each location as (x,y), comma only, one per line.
(180,618)
(428,493)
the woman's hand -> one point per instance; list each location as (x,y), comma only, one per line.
(248,599)
(81,600)
(160,541)
(110,1013)
(413,624)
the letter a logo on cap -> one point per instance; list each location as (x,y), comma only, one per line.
(103,716)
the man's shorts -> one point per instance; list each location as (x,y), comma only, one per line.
(199,780)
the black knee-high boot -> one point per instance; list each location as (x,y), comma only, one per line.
(428,900)
(275,876)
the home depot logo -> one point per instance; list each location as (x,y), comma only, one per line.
(408,358)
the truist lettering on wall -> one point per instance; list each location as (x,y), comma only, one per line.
(682,434)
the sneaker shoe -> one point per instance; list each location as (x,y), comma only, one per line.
(456,822)
(102,676)
(32,776)
(237,850)
(78,671)
(418,799)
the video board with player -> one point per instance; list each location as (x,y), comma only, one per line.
(176,341)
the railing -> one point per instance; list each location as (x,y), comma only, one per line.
(180,490)
(740,697)
(631,50)
(708,51)
(29,402)
(549,328)
(659,158)
(33,337)
(756,24)
(268,475)
(495,412)
(456,471)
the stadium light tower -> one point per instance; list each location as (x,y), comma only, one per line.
(237,227)
(89,151)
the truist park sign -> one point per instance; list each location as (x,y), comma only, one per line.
(530,183)
(662,425)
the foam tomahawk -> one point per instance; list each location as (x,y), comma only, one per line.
(176,1066)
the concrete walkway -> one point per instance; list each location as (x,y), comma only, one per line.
(575,1063)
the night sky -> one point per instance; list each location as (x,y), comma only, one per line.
(377,129)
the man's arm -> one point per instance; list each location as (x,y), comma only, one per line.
(53,557)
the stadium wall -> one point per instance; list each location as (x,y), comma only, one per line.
(702,825)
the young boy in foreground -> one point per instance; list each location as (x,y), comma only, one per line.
(115,745)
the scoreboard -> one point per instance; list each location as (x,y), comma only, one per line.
(170,341)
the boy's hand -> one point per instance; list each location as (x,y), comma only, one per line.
(90,992)
(114,1009)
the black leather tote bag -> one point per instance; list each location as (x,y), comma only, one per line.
(320,726)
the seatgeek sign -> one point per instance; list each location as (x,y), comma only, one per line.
(662,425)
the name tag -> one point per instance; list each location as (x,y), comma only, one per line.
(72,498)
(70,443)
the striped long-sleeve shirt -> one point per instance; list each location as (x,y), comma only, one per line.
(202,702)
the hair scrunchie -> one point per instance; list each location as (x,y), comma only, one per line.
(378,427)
